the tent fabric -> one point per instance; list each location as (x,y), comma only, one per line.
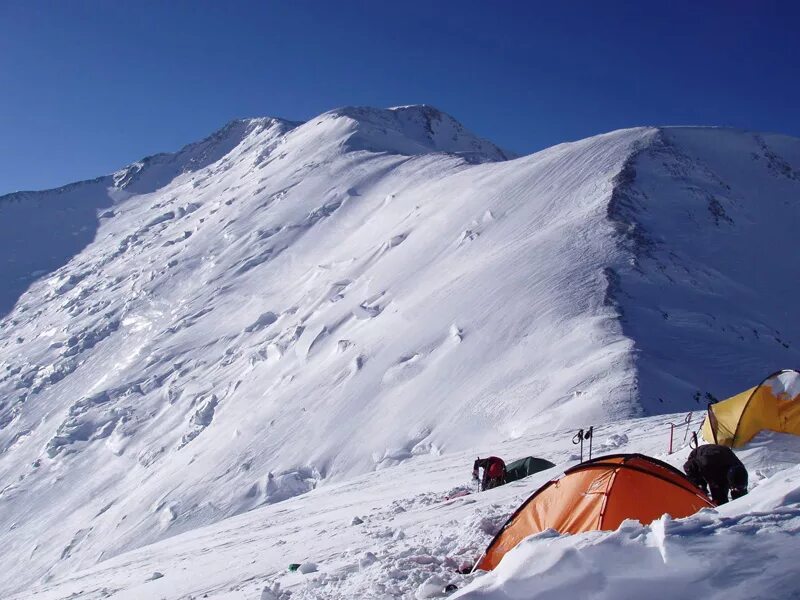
(599,495)
(774,404)
(526,466)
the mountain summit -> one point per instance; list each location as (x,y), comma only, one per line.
(416,129)
(284,305)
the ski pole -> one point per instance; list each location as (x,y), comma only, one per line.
(671,430)
(578,439)
(590,435)
(688,421)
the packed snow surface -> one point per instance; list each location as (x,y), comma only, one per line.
(345,310)
(395,534)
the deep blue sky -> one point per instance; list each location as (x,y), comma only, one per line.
(89,86)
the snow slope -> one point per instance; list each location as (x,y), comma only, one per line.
(710,217)
(393,534)
(41,231)
(287,306)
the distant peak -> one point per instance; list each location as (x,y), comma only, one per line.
(263,122)
(153,172)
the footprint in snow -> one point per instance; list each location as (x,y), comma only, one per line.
(337,290)
(371,307)
(475,228)
(264,320)
(406,368)
(396,240)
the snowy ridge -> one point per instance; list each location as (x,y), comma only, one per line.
(153,172)
(708,216)
(283,307)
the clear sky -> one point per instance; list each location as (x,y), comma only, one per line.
(87,86)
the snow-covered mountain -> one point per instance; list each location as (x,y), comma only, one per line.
(284,306)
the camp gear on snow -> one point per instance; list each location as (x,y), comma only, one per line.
(686,421)
(584,435)
(773,404)
(465,568)
(716,469)
(497,473)
(526,466)
(293,567)
(494,472)
(599,495)
(457,494)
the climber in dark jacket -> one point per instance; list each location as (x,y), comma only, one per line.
(716,468)
(494,472)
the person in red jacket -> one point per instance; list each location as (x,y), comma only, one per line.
(494,472)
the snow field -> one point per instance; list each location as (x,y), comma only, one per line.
(393,534)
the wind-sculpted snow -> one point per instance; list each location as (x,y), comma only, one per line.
(284,306)
(42,231)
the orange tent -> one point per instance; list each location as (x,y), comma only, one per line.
(599,494)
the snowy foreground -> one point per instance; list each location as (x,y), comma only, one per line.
(212,361)
(411,540)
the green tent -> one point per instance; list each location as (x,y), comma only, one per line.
(526,466)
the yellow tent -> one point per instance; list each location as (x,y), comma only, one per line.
(773,404)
